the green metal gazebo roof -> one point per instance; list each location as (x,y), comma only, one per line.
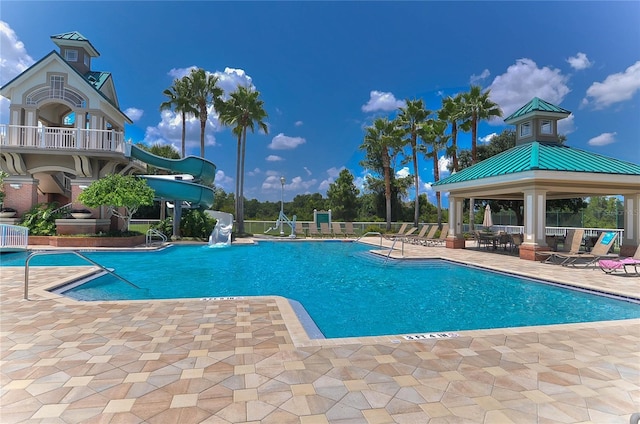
(537,105)
(543,156)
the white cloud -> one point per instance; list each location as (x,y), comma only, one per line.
(255,172)
(307,170)
(579,62)
(169,130)
(567,125)
(475,79)
(603,139)
(224,181)
(443,165)
(273,158)
(14,61)
(133,113)
(297,184)
(283,142)
(379,100)
(404,172)
(524,81)
(615,88)
(334,172)
(487,138)
(298,123)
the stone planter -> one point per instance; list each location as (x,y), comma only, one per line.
(7,214)
(81,215)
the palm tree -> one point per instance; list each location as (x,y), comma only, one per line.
(433,134)
(382,142)
(204,92)
(243,110)
(477,107)
(411,118)
(179,100)
(452,111)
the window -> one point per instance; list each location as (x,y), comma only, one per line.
(525,129)
(71,55)
(86,61)
(546,127)
(57,86)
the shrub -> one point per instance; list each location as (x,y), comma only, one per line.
(197,224)
(41,219)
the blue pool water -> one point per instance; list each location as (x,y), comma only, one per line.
(346,290)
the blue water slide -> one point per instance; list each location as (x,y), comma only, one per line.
(198,191)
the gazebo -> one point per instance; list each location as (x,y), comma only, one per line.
(538,168)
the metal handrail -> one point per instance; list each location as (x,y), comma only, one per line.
(371,232)
(26,268)
(392,246)
(153,232)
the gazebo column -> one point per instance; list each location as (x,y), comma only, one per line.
(535,206)
(455,238)
(631,238)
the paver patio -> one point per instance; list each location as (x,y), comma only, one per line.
(249,361)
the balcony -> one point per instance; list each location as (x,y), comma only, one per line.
(25,137)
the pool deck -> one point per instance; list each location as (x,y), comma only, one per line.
(249,361)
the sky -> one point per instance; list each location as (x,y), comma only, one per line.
(326,70)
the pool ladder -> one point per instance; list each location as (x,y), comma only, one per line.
(395,239)
(26,268)
(151,233)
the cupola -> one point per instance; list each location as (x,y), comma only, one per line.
(76,50)
(537,121)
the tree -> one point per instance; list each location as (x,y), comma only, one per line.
(203,92)
(382,142)
(477,107)
(411,117)
(179,99)
(118,191)
(343,197)
(433,134)
(243,110)
(452,111)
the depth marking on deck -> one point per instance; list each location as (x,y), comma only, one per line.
(222,298)
(430,336)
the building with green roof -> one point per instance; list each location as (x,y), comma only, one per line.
(538,168)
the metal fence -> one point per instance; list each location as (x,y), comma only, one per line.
(13,237)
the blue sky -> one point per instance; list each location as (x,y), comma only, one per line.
(325,70)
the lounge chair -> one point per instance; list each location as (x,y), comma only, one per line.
(400,232)
(571,246)
(406,236)
(325,231)
(610,266)
(348,229)
(313,230)
(337,230)
(440,239)
(600,251)
(300,232)
(412,238)
(422,239)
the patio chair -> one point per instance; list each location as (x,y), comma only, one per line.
(600,250)
(413,238)
(571,246)
(516,241)
(337,230)
(325,231)
(406,236)
(441,238)
(348,229)
(610,266)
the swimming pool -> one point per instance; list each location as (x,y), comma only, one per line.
(346,290)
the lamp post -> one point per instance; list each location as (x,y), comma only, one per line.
(282,181)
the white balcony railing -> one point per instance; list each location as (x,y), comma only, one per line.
(24,136)
(13,237)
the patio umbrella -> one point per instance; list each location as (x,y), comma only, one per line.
(487,222)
